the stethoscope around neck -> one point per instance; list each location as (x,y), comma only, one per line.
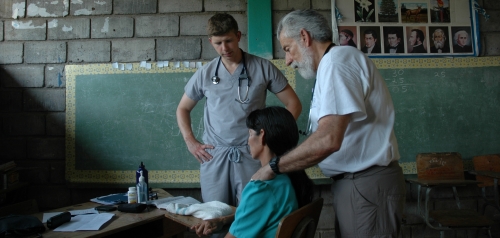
(243,75)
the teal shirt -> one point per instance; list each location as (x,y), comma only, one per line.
(263,204)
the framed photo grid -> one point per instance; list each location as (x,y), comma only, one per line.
(409,28)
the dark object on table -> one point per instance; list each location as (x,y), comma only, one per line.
(132,208)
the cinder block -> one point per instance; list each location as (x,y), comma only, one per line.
(89,51)
(134,6)
(12,52)
(152,26)
(45,148)
(12,9)
(33,29)
(278,52)
(30,76)
(225,5)
(491,5)
(133,50)
(56,124)
(491,24)
(70,28)
(51,100)
(290,5)
(37,8)
(207,50)
(35,172)
(178,48)
(60,196)
(321,5)
(13,148)
(11,100)
(166,6)
(244,43)
(328,16)
(45,52)
(23,124)
(491,44)
(57,172)
(91,7)
(54,76)
(112,27)
(196,25)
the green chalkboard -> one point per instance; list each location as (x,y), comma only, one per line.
(117,118)
(126,118)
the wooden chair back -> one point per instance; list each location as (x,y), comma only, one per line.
(440,166)
(302,222)
(486,163)
(22,208)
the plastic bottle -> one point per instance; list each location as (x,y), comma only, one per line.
(132,195)
(142,190)
(144,173)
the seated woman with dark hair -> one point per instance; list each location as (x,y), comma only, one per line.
(272,132)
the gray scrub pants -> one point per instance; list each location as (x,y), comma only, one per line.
(370,203)
(224,177)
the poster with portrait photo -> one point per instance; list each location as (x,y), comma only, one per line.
(462,40)
(440,11)
(364,10)
(348,36)
(370,39)
(436,20)
(439,39)
(415,36)
(394,41)
(388,11)
(414,12)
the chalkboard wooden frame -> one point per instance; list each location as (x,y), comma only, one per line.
(427,67)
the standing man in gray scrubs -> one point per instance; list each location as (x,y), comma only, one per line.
(233,84)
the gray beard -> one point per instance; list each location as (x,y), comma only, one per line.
(438,44)
(305,67)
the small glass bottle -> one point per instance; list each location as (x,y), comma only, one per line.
(132,195)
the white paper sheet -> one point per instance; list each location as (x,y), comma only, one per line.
(48,215)
(90,222)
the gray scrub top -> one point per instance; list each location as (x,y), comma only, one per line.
(224,117)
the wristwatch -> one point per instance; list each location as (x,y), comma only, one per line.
(274,164)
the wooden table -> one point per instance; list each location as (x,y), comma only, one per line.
(146,224)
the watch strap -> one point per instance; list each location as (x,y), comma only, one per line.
(274,164)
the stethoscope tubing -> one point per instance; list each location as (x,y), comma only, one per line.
(243,75)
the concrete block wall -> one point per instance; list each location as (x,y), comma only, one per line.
(38,38)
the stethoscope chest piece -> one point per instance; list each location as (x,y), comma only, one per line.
(215,80)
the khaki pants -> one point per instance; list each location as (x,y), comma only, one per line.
(370,203)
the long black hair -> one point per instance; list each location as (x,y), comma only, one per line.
(282,135)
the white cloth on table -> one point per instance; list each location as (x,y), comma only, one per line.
(205,211)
